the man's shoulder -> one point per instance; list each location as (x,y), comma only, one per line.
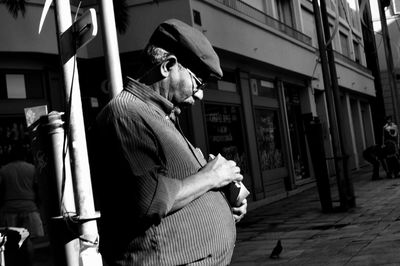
(122,105)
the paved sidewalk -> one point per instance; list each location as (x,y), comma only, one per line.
(366,235)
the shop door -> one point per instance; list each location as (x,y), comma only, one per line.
(297,134)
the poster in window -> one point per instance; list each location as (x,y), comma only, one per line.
(225,135)
(268,139)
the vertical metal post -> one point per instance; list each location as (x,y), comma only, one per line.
(344,143)
(329,99)
(389,62)
(110,46)
(78,148)
(65,244)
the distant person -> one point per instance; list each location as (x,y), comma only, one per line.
(18,200)
(391,147)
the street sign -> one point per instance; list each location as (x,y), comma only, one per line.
(79,34)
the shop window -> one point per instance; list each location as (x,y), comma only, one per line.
(263,88)
(225,135)
(268,139)
(21,85)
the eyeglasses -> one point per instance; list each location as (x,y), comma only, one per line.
(200,85)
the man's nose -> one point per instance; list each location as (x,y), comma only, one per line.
(198,95)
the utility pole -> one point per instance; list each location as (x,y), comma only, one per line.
(110,44)
(389,59)
(343,153)
(332,109)
(378,105)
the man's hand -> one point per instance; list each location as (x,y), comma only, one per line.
(239,212)
(223,171)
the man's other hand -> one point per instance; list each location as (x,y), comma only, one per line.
(239,212)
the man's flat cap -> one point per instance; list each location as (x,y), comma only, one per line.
(190,46)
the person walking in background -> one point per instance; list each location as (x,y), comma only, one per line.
(18,201)
(160,200)
(391,147)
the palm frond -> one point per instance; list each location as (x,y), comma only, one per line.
(15,6)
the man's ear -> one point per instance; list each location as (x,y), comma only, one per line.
(167,65)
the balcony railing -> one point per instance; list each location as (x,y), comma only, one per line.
(266,19)
(351,62)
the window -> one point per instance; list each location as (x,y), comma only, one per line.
(257,4)
(331,4)
(296,131)
(357,56)
(285,12)
(197,17)
(309,25)
(15,84)
(224,131)
(342,12)
(344,43)
(21,85)
(396,6)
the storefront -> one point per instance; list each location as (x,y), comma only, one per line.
(254,116)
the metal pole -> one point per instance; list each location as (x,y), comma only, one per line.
(389,62)
(377,106)
(343,154)
(110,44)
(78,150)
(329,100)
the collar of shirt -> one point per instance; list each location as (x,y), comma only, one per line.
(149,96)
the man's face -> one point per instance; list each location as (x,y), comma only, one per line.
(185,87)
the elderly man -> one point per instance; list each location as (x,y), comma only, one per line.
(160,200)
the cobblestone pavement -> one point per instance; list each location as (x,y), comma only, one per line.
(368,234)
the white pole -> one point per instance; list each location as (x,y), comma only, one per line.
(110,46)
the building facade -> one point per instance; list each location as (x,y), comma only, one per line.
(392,12)
(256,115)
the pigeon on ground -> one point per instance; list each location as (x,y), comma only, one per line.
(276,251)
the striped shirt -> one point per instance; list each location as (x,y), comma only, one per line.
(140,154)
